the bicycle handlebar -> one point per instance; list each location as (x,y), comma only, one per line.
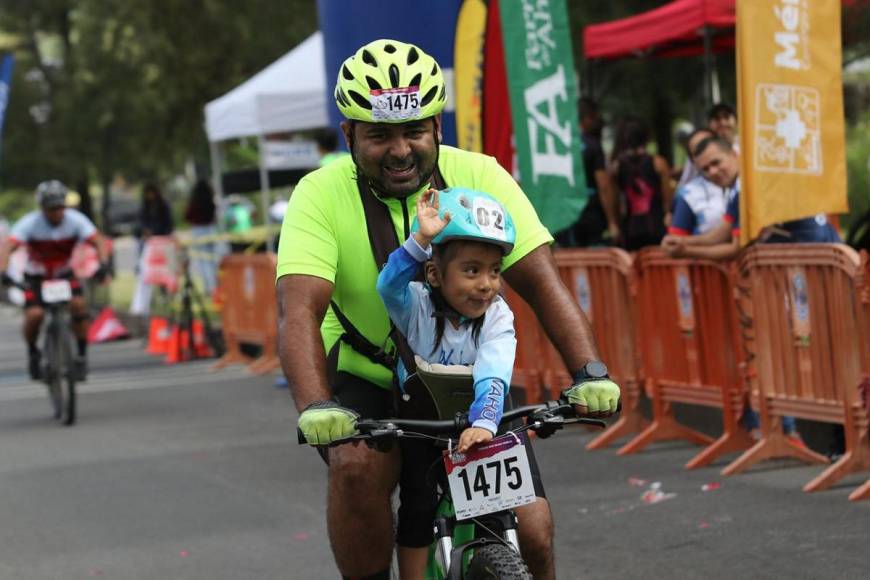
(545,417)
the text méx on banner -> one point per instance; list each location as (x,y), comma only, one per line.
(790,101)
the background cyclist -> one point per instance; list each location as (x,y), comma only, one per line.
(392,94)
(50,234)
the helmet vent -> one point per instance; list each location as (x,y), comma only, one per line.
(394,76)
(345,72)
(341,98)
(413,56)
(360,100)
(434,69)
(373,84)
(427,98)
(415,82)
(369,59)
(443,94)
(389,48)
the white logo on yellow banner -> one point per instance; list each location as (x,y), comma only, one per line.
(788,129)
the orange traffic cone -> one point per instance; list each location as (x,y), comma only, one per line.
(158,336)
(200,345)
(178,349)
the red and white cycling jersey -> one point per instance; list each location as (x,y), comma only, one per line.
(50,248)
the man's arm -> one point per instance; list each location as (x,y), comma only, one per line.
(609,200)
(99,243)
(302,304)
(536,279)
(6,248)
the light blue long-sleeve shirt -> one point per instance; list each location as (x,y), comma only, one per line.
(411,310)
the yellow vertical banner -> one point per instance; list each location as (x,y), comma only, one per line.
(790,104)
(468,74)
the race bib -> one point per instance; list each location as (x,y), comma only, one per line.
(54,291)
(489,216)
(489,478)
(395,104)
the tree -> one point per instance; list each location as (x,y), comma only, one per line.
(108,87)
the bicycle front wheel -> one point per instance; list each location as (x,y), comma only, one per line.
(60,374)
(497,562)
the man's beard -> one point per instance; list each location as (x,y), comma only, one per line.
(424,171)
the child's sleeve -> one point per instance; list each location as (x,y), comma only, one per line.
(493,367)
(402,266)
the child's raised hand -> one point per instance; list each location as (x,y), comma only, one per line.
(430,223)
(473,436)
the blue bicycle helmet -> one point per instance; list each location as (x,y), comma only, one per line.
(474,216)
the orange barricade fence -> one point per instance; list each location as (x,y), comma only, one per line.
(863,492)
(807,344)
(527,373)
(250,310)
(603,283)
(691,352)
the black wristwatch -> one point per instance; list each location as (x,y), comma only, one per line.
(594,369)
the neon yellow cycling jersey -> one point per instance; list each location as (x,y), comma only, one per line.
(324,234)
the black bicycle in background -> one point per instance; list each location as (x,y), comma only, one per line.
(58,347)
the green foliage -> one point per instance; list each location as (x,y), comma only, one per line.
(122,85)
(858,166)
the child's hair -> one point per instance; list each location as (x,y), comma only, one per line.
(442,255)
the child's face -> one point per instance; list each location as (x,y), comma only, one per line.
(472,278)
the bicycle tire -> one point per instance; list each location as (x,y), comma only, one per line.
(51,374)
(67,379)
(497,562)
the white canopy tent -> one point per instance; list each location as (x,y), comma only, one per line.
(288,95)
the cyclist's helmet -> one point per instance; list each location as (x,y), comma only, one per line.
(51,194)
(474,216)
(388,81)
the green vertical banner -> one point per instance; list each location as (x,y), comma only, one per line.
(543,94)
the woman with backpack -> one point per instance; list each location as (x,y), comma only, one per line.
(644,185)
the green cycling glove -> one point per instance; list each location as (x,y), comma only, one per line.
(598,396)
(325,421)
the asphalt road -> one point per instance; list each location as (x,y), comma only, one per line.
(179,473)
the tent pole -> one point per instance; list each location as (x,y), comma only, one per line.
(708,67)
(264,190)
(217,181)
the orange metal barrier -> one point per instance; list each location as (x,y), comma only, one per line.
(250,310)
(808,340)
(691,350)
(527,372)
(603,283)
(863,492)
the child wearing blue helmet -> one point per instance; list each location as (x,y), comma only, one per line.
(457,317)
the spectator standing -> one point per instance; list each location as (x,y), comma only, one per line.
(644,185)
(200,215)
(601,213)
(155,219)
(722,120)
(698,204)
(327,147)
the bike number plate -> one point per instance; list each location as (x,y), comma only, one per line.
(54,291)
(489,478)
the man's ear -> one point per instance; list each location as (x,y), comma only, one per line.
(347,131)
(433,275)
(437,120)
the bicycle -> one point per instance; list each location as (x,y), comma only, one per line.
(58,371)
(487,483)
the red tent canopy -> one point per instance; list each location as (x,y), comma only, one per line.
(675,29)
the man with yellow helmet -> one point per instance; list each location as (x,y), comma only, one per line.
(335,334)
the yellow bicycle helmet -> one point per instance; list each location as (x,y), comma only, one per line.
(388,81)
